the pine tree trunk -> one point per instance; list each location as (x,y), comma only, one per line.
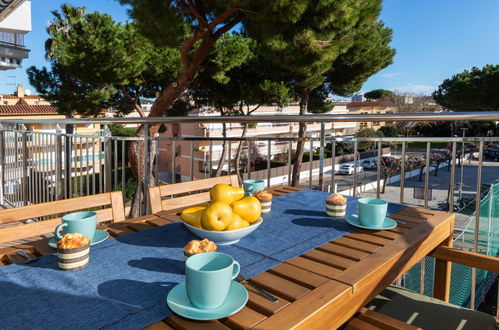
(238,154)
(161,105)
(221,161)
(300,145)
(387,177)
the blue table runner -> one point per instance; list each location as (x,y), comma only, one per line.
(128,278)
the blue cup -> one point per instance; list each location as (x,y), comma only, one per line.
(372,211)
(78,222)
(251,186)
(208,277)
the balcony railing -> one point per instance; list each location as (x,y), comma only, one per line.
(37,167)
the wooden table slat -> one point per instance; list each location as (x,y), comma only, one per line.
(358,324)
(380,233)
(298,275)
(406,218)
(139,226)
(329,259)
(157,221)
(158,326)
(356,244)
(244,319)
(343,251)
(180,323)
(314,266)
(369,238)
(280,286)
(261,304)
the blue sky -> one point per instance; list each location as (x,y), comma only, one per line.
(433,39)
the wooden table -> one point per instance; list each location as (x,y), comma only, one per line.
(320,289)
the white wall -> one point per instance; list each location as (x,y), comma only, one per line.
(19,21)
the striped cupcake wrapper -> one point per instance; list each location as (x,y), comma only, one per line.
(73,259)
(266,206)
(337,211)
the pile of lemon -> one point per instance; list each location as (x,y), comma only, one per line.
(228,210)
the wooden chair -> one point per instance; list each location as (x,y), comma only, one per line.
(157,194)
(114,213)
(437,313)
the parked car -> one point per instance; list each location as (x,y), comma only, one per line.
(368,164)
(349,168)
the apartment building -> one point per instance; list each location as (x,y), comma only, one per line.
(193,159)
(15,22)
(85,149)
(371,108)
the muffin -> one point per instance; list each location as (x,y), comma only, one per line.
(199,246)
(336,205)
(265,199)
(73,251)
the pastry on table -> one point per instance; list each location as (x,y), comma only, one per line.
(265,198)
(73,251)
(336,205)
(199,246)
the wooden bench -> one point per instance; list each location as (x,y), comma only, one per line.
(18,231)
(165,198)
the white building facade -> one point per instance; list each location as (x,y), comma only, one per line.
(15,23)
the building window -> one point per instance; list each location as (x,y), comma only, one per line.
(3,59)
(5,102)
(18,62)
(11,61)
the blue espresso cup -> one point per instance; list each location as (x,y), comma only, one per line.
(208,277)
(83,222)
(372,211)
(251,186)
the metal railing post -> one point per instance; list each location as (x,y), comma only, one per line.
(402,175)
(427,174)
(355,151)
(477,220)
(310,163)
(269,169)
(290,160)
(2,164)
(321,157)
(191,162)
(58,166)
(333,167)
(378,173)
(174,161)
(25,178)
(147,167)
(452,178)
(108,155)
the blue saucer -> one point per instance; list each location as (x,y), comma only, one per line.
(387,224)
(100,236)
(179,302)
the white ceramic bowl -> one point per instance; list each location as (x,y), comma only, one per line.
(224,237)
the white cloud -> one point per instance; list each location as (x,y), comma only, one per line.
(390,75)
(415,89)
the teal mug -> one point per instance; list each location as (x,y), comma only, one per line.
(208,277)
(78,222)
(251,186)
(372,212)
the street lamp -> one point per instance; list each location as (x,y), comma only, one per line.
(464,129)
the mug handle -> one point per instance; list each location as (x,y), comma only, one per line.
(235,269)
(57,230)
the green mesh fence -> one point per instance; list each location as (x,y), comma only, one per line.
(488,243)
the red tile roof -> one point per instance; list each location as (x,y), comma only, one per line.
(23,108)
